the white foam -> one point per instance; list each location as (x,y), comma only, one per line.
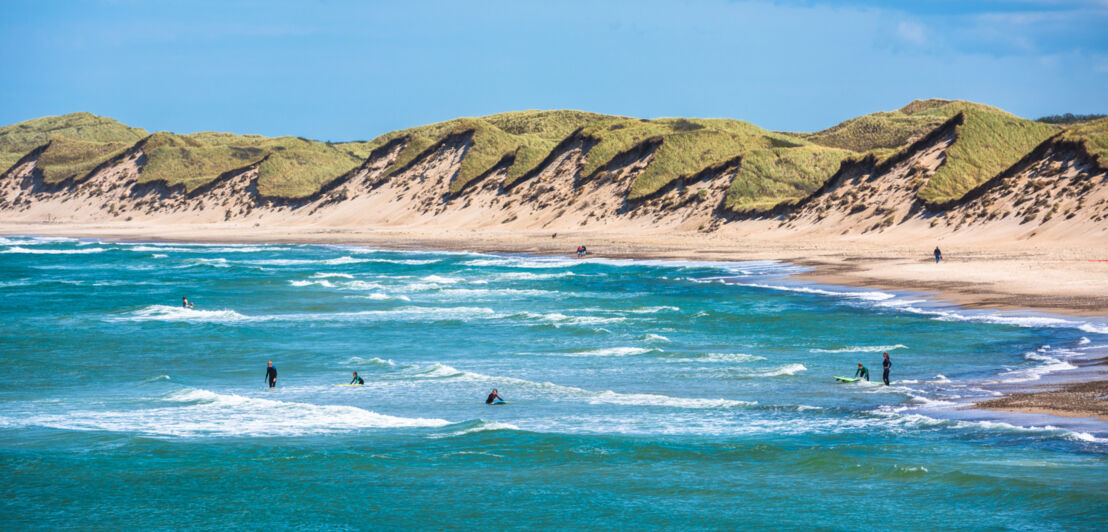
(873,295)
(78,251)
(529,276)
(647,399)
(437,279)
(559,319)
(322,282)
(655,338)
(199,413)
(861,349)
(374,361)
(159,255)
(171,313)
(653,310)
(332,276)
(787,369)
(610,352)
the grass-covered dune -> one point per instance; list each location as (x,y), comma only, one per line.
(774,168)
(19,139)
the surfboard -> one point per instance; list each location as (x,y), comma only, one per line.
(847,379)
(348,385)
(497,403)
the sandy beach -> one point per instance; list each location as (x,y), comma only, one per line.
(1065,279)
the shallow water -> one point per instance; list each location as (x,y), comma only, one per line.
(642,394)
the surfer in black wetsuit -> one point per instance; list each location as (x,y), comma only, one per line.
(938,255)
(271,374)
(493,397)
(886,364)
(862,371)
(357,379)
(186,303)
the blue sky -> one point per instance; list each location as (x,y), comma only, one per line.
(348,70)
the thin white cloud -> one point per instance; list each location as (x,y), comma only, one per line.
(912,33)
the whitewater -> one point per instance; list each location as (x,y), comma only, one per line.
(641,394)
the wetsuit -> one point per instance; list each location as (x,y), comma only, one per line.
(271,376)
(938,255)
(863,372)
(357,380)
(492,397)
(887,363)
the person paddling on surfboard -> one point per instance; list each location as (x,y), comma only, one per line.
(271,374)
(357,379)
(494,398)
(862,371)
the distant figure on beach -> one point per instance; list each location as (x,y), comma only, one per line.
(357,379)
(186,303)
(886,365)
(271,374)
(494,397)
(862,371)
(938,255)
(581,251)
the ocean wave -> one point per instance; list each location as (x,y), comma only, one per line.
(653,310)
(530,276)
(651,337)
(170,313)
(479,425)
(610,352)
(195,412)
(321,282)
(77,251)
(373,362)
(332,275)
(515,387)
(786,370)
(871,295)
(559,319)
(861,349)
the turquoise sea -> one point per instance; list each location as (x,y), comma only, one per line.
(641,395)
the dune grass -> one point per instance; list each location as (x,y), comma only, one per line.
(987,143)
(297,168)
(66,158)
(1094,135)
(769,177)
(18,139)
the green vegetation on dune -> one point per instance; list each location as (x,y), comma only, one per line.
(18,139)
(773,167)
(769,177)
(988,142)
(1094,135)
(296,167)
(292,167)
(65,158)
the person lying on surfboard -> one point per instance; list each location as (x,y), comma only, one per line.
(494,397)
(862,371)
(357,379)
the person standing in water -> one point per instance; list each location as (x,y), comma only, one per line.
(271,374)
(357,379)
(938,255)
(862,371)
(494,396)
(185,302)
(886,364)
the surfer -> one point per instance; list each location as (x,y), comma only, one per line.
(862,371)
(271,374)
(357,379)
(886,364)
(581,251)
(185,302)
(938,255)
(494,397)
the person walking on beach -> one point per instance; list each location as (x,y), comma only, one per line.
(938,255)
(357,379)
(582,251)
(271,374)
(886,364)
(862,371)
(185,302)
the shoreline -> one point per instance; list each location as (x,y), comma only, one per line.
(1081,392)
(993,279)
(1066,281)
